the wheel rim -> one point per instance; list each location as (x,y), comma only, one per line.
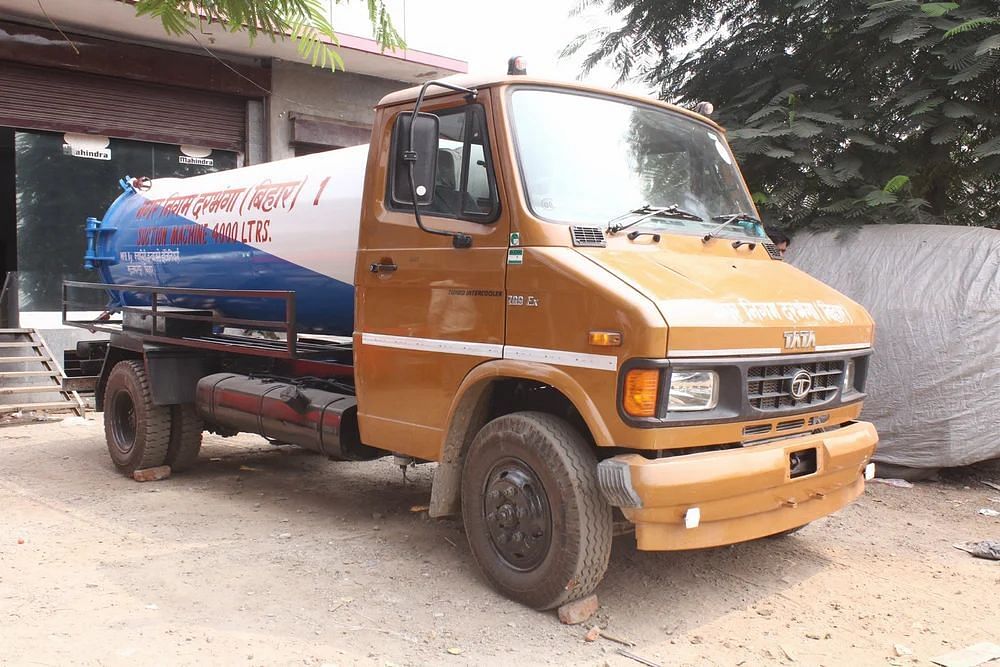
(123,421)
(517,514)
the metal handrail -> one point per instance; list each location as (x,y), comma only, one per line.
(287,326)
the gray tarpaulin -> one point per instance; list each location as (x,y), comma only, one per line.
(934,291)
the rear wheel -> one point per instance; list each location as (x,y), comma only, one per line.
(536,521)
(137,431)
(186,427)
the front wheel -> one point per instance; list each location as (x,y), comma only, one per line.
(537,523)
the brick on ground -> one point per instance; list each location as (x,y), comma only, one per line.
(151,474)
(578,611)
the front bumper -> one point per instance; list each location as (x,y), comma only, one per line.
(737,494)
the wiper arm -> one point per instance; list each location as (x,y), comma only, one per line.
(727,219)
(646,211)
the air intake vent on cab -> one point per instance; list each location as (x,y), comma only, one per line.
(587,237)
(772,250)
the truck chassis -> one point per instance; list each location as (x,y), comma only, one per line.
(538,524)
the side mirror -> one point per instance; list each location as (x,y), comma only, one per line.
(425,148)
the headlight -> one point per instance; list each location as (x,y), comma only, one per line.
(848,377)
(693,390)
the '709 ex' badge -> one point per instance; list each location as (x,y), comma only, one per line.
(515,256)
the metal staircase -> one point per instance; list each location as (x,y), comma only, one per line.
(27,368)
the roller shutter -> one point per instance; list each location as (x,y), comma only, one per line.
(38,98)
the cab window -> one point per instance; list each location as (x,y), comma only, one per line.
(464,185)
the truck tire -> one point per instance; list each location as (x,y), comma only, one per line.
(537,523)
(136,430)
(186,427)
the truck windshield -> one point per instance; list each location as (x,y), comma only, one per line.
(587,159)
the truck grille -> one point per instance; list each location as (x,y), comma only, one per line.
(769,387)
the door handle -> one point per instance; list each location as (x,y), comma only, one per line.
(382,267)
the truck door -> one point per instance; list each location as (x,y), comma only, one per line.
(427,312)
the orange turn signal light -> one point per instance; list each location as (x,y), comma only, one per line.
(641,387)
(605,338)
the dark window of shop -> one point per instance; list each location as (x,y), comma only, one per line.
(464,185)
(61,180)
(311,149)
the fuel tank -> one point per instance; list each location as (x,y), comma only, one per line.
(321,421)
(290,225)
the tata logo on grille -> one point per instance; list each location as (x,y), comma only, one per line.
(795,340)
(800,384)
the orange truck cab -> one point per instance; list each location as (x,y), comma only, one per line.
(618,298)
(563,296)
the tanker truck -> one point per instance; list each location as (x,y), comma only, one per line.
(561,296)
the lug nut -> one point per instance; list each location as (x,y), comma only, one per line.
(518,536)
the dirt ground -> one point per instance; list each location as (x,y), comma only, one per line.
(274,556)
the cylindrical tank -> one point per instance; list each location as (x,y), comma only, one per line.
(287,225)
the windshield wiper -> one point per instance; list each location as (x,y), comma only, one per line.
(646,211)
(727,219)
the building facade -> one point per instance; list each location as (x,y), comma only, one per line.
(89,93)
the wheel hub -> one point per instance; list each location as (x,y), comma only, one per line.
(517,514)
(124,423)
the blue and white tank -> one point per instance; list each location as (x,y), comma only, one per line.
(287,225)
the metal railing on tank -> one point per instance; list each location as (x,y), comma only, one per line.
(160,313)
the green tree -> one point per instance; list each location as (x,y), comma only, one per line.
(842,111)
(305,21)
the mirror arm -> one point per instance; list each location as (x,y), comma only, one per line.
(458,239)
